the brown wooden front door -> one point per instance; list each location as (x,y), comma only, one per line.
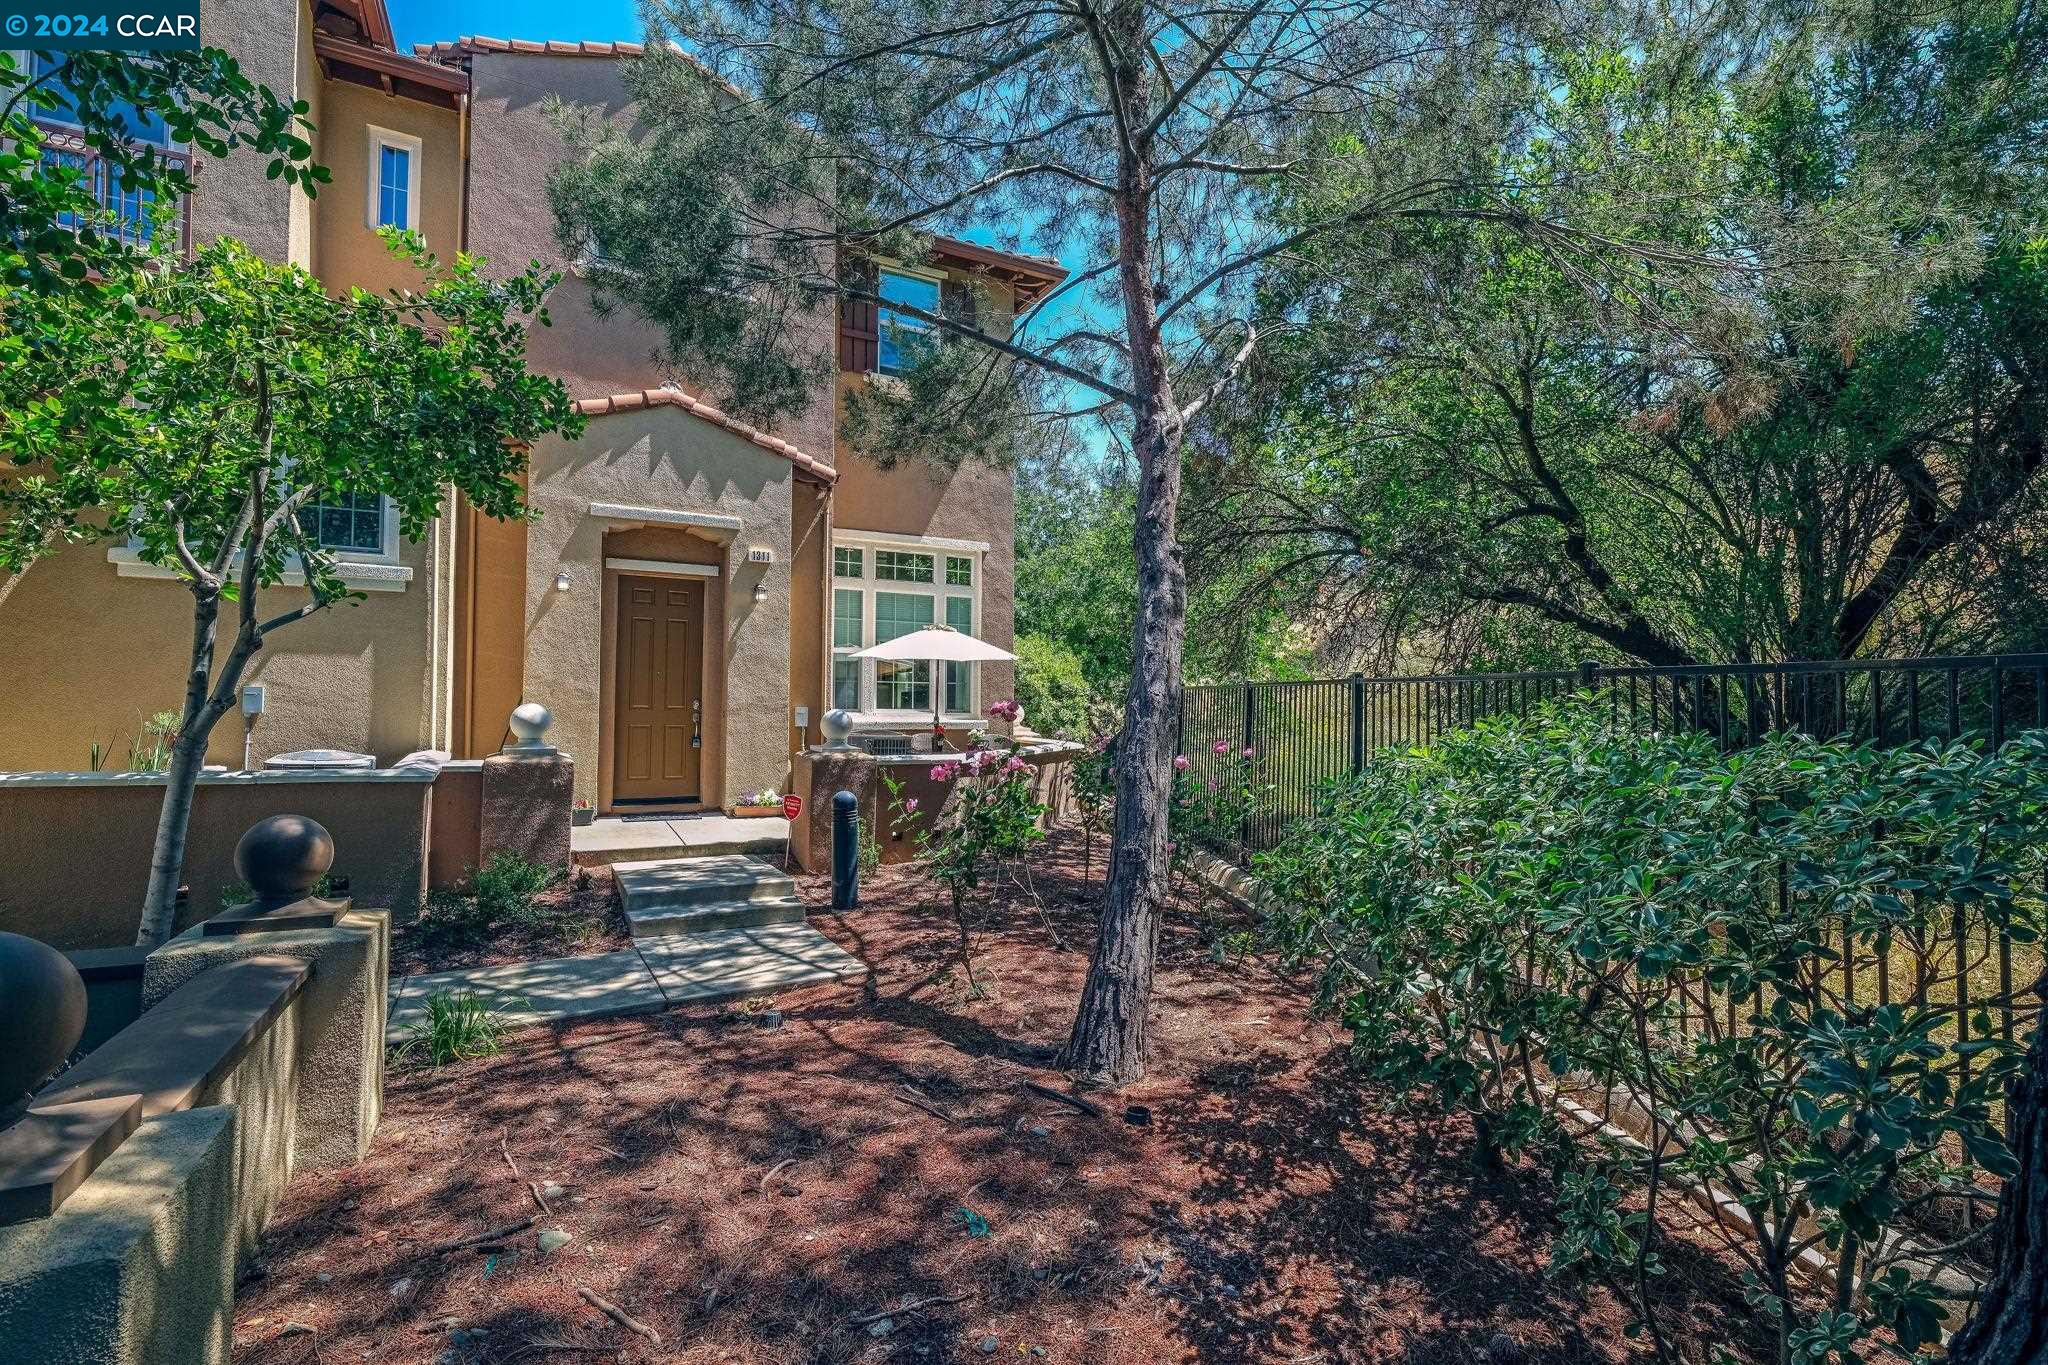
(658,714)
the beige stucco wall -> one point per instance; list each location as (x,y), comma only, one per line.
(88,654)
(74,852)
(664,458)
(233,198)
(514,144)
(348,249)
(973,502)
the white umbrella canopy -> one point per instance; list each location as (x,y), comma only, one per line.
(938,644)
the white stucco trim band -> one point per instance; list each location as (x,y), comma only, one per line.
(129,563)
(848,534)
(672,567)
(666,516)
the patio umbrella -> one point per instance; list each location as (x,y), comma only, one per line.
(938,644)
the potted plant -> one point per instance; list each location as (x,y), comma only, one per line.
(765,802)
(582,813)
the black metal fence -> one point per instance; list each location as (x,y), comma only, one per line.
(1305,733)
(1302,734)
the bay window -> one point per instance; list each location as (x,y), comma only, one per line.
(882,592)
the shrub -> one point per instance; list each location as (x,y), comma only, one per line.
(505,887)
(1700,934)
(990,816)
(458,1026)
(1052,687)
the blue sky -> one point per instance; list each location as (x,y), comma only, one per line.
(427,21)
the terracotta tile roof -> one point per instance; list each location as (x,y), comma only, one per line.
(459,51)
(697,407)
(467,44)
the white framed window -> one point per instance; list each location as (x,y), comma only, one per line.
(908,589)
(394,188)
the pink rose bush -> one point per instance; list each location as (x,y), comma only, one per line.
(1006,710)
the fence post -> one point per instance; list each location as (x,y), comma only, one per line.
(1244,819)
(1589,673)
(1357,723)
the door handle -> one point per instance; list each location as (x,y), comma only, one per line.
(696,723)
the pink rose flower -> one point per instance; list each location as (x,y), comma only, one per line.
(1247,751)
(1006,710)
(1221,746)
(1015,765)
(910,806)
(945,772)
(1180,763)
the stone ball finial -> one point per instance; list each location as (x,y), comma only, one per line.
(835,725)
(44,1017)
(284,857)
(530,720)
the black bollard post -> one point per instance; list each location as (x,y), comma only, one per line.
(845,851)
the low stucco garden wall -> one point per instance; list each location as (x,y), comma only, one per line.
(821,773)
(75,847)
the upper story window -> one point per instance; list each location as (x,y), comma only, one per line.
(394,180)
(130,211)
(900,334)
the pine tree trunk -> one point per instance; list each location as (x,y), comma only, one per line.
(2010,1324)
(1107,1046)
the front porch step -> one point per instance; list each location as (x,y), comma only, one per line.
(689,895)
(658,921)
(612,840)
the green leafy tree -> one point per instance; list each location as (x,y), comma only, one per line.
(204,409)
(1051,688)
(1467,451)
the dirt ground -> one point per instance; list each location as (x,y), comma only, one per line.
(867,1178)
(578,916)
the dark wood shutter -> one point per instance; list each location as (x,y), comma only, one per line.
(860,337)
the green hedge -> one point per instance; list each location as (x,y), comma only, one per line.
(1568,895)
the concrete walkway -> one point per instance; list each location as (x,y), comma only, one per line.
(657,973)
(612,840)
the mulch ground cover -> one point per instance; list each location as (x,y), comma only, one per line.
(866,1173)
(578,916)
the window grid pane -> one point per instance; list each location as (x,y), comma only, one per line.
(846,562)
(899,613)
(846,684)
(846,623)
(903,686)
(959,572)
(347,521)
(902,567)
(393,177)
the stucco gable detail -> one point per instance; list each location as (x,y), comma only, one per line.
(672,397)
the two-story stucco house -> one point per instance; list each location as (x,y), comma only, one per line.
(686,599)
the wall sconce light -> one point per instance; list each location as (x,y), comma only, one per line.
(760,593)
(562,581)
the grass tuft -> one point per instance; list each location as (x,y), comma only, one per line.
(459,1026)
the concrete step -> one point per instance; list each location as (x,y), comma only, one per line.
(657,920)
(682,883)
(695,969)
(683,836)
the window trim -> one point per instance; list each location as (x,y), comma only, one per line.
(372,570)
(867,691)
(380,138)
